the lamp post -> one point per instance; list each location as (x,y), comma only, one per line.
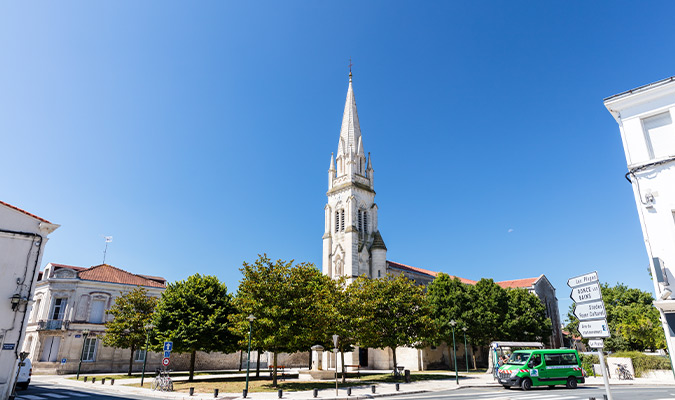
(85,333)
(454,349)
(466,353)
(250,319)
(148,329)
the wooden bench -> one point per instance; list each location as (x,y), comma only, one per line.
(281,371)
(358,368)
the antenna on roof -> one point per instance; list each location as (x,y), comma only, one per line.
(108,239)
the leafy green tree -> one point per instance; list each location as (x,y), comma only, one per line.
(449,300)
(286,301)
(193,314)
(634,322)
(131,313)
(488,312)
(526,319)
(393,312)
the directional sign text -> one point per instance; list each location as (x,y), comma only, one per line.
(586,293)
(594,329)
(592,310)
(582,279)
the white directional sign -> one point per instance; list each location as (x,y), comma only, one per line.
(582,294)
(596,343)
(594,329)
(582,279)
(588,311)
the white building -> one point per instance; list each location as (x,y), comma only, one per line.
(69,300)
(23,237)
(645,118)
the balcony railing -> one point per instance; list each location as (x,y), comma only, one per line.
(53,324)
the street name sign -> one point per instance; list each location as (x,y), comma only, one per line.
(582,294)
(165,361)
(594,329)
(596,343)
(583,279)
(588,311)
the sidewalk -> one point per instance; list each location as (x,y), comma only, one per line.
(357,392)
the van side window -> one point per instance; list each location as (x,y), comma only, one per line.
(536,359)
(569,359)
(552,359)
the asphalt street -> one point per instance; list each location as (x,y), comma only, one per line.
(41,391)
(581,393)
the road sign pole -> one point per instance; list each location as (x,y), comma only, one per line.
(605,378)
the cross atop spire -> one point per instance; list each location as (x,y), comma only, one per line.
(350,69)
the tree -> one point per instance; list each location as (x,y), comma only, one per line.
(449,300)
(193,314)
(131,313)
(526,319)
(634,322)
(285,300)
(393,312)
(487,313)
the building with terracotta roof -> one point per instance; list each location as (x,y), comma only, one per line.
(23,237)
(70,300)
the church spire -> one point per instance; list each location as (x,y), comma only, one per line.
(350,131)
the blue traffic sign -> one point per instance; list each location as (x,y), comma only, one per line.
(167,354)
(63,360)
(168,346)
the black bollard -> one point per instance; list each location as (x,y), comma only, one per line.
(349,391)
(281,393)
(192,391)
(398,387)
(591,398)
(215,392)
(407,376)
(85,378)
(604,396)
(102,381)
(112,381)
(93,379)
(245,393)
(316,392)
(372,388)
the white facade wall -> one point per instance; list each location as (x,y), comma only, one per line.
(650,156)
(22,242)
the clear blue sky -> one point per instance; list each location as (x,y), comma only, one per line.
(199,134)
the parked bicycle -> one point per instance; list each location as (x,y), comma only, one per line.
(162,381)
(623,372)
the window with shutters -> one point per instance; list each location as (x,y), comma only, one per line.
(659,135)
(365,223)
(337,221)
(342,220)
(360,224)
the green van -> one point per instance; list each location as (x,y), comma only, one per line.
(527,368)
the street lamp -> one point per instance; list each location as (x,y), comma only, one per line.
(148,329)
(250,319)
(454,349)
(85,333)
(466,353)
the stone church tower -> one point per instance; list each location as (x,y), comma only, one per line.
(352,245)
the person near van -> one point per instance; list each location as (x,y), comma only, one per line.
(527,368)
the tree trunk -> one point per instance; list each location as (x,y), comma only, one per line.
(241,356)
(257,365)
(131,359)
(193,356)
(274,371)
(342,358)
(310,360)
(449,355)
(393,350)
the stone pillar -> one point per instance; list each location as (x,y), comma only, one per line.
(317,357)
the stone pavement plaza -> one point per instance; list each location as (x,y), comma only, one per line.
(358,392)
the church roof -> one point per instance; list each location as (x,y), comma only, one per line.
(519,283)
(417,270)
(350,131)
(378,242)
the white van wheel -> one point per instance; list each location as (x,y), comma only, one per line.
(571,383)
(526,384)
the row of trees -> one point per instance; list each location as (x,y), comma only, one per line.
(296,307)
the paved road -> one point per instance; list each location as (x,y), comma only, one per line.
(581,393)
(41,391)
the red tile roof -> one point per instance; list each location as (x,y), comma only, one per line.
(24,211)
(519,283)
(108,273)
(59,266)
(425,271)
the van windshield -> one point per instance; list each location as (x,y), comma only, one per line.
(518,358)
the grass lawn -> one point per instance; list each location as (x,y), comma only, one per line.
(264,383)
